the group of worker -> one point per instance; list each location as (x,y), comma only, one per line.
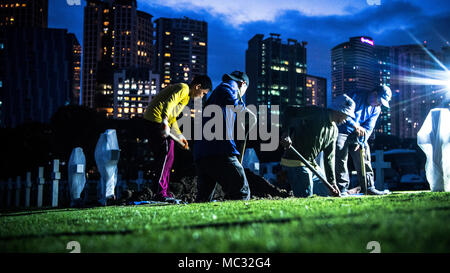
(337,131)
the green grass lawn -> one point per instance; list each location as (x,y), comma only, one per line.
(412,222)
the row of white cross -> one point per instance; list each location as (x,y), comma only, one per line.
(12,188)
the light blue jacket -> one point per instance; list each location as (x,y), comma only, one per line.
(365,115)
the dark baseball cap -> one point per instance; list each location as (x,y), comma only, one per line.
(239,76)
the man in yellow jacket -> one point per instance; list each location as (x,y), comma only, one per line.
(161,116)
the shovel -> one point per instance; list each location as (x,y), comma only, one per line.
(286,142)
(362,153)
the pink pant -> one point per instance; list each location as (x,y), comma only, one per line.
(166,169)
(163,150)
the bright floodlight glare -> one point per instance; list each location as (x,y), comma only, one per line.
(448,81)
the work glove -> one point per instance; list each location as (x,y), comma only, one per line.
(165,129)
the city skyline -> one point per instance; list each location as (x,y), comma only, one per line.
(388,24)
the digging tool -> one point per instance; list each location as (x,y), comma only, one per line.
(362,153)
(286,143)
(241,156)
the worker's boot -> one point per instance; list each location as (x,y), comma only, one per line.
(373,191)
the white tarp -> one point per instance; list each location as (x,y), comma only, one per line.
(434,139)
(107,155)
(77,174)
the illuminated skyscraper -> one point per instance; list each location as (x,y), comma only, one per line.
(353,66)
(24,13)
(133,90)
(116,36)
(182,47)
(316,91)
(277,72)
(383,77)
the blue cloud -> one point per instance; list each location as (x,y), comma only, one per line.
(386,23)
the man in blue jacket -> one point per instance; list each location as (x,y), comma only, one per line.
(216,160)
(355,132)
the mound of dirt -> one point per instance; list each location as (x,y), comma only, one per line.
(261,188)
(186,190)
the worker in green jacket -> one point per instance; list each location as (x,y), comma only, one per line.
(313,130)
(161,116)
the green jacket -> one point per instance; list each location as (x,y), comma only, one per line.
(312,132)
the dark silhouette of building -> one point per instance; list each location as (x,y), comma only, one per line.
(116,36)
(43,65)
(39,77)
(277,72)
(24,13)
(182,47)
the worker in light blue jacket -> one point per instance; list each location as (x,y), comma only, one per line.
(355,132)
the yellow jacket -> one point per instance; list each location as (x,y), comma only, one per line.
(169,103)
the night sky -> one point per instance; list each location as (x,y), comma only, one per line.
(322,23)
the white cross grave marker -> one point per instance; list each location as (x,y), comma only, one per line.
(9,197)
(28,190)
(56,176)
(140,180)
(40,187)
(380,165)
(18,188)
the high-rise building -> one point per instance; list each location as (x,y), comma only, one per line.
(133,90)
(412,102)
(76,64)
(316,91)
(39,77)
(24,13)
(116,36)
(353,66)
(277,72)
(383,77)
(182,47)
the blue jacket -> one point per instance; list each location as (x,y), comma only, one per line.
(365,115)
(224,94)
